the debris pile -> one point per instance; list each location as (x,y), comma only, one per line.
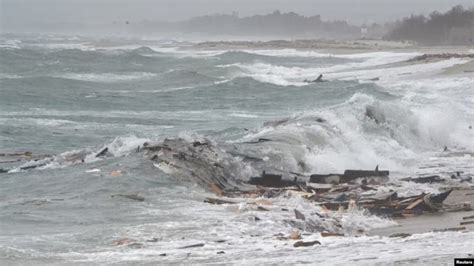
(232,173)
(441,56)
(340,191)
(219,171)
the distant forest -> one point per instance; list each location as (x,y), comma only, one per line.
(455,27)
(276,23)
(273,24)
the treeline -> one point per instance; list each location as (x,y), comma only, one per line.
(455,27)
(269,25)
(276,23)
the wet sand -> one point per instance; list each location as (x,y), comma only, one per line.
(349,46)
(440,221)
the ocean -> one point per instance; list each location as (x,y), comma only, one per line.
(63,97)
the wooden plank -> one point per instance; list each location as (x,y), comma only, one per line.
(218,201)
(468,217)
(414,204)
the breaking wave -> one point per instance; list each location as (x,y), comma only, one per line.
(120,146)
(107,77)
(361,133)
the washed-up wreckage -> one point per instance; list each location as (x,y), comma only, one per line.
(217,170)
(236,171)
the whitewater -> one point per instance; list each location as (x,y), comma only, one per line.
(70,97)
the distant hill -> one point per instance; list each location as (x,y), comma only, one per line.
(455,27)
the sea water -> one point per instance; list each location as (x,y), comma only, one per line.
(66,95)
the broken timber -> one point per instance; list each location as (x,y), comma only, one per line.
(348,176)
(218,171)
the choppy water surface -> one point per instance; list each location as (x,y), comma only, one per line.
(68,94)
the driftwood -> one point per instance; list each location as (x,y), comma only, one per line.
(193,246)
(306,244)
(260,140)
(390,204)
(440,56)
(425,179)
(217,170)
(273,180)
(328,234)
(451,229)
(348,176)
(465,223)
(129,196)
(468,217)
(218,201)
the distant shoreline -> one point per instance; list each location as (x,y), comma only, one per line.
(347,46)
(431,53)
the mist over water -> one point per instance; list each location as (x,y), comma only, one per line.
(67,95)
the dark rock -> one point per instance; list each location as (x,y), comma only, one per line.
(220,252)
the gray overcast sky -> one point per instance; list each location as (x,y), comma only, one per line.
(93,11)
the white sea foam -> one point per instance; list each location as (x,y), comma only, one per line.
(375,56)
(107,77)
(389,74)
(63,46)
(11,44)
(9,76)
(287,53)
(182,53)
(285,76)
(120,146)
(244,115)
(349,139)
